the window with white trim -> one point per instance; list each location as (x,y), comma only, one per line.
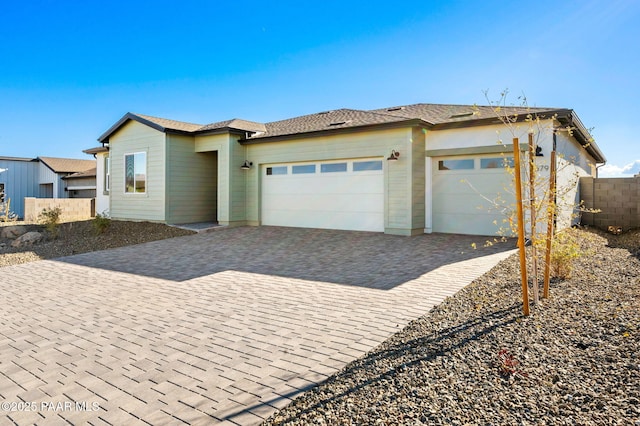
(135,173)
(107,174)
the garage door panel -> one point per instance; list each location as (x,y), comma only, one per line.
(458,200)
(364,203)
(338,200)
(353,221)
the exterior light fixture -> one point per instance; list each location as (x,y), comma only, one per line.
(246,165)
(394,155)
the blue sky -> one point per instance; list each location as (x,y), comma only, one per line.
(69,70)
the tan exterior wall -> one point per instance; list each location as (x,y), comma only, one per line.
(617,198)
(131,138)
(401,211)
(191,181)
(72,208)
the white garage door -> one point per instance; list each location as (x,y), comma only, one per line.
(458,187)
(347,194)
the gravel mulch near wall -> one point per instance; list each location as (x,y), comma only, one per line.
(475,359)
(80,237)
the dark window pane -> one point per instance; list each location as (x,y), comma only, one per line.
(496,163)
(129,182)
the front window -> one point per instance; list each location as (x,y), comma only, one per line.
(1,192)
(135,176)
(107,175)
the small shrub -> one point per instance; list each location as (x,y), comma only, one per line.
(50,218)
(564,250)
(101,223)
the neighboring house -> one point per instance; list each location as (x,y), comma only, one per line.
(40,177)
(403,170)
(81,184)
(101,155)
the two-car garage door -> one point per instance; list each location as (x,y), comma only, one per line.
(341,194)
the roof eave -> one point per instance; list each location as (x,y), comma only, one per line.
(582,135)
(104,138)
(96,150)
(221,131)
(498,119)
(414,122)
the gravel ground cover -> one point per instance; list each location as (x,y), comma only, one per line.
(80,237)
(475,359)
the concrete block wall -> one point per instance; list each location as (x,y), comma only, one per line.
(617,198)
(72,208)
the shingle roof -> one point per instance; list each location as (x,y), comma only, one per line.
(87,173)
(171,124)
(434,116)
(236,123)
(67,165)
(443,113)
(335,119)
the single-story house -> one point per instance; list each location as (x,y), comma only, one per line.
(401,170)
(41,177)
(81,184)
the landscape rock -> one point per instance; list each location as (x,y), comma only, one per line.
(475,359)
(28,239)
(12,232)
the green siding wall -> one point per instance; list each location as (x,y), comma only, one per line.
(135,137)
(231,179)
(192,182)
(400,205)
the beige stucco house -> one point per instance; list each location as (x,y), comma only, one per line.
(403,170)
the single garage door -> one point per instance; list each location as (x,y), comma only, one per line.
(459,187)
(346,194)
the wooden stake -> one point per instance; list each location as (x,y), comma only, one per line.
(523,259)
(550,216)
(532,207)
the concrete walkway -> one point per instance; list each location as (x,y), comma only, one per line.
(222,327)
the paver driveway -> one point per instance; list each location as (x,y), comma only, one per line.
(225,326)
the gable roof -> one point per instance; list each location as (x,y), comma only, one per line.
(173,126)
(67,165)
(432,116)
(236,123)
(160,124)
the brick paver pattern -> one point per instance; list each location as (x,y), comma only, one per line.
(223,327)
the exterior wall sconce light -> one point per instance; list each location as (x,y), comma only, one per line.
(394,155)
(246,165)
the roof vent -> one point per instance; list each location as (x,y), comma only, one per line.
(325,112)
(464,114)
(395,108)
(339,123)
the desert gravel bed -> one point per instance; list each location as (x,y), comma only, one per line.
(80,237)
(475,359)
